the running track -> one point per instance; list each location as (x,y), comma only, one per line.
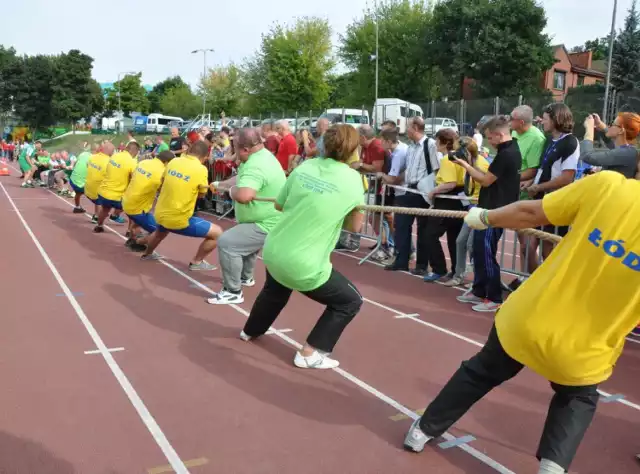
(181,393)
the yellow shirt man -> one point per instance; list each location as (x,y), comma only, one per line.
(96,169)
(117,177)
(185,179)
(569,320)
(144,185)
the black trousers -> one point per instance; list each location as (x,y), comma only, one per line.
(342,302)
(403,225)
(437,227)
(570,411)
(486,280)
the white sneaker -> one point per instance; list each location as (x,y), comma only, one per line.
(248,283)
(470,298)
(455,281)
(315,361)
(226,297)
(486,307)
(245,337)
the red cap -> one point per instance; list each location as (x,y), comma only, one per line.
(193,137)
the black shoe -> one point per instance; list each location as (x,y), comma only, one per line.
(129,243)
(98,229)
(78,210)
(419,271)
(94,219)
(396,268)
(127,234)
(136,247)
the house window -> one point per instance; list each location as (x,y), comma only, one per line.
(580,81)
(559,80)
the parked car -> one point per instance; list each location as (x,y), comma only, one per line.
(434,124)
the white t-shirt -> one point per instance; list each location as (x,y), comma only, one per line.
(564,153)
(477,137)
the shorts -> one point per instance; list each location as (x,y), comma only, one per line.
(197,228)
(76,189)
(24,166)
(561,230)
(108,203)
(145,220)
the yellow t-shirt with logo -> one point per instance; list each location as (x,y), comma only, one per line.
(117,177)
(96,169)
(449,172)
(144,185)
(184,179)
(569,320)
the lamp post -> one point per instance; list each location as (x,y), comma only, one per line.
(204,74)
(608,83)
(377,46)
(119,100)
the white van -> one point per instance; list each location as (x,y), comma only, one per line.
(396,110)
(158,123)
(353,117)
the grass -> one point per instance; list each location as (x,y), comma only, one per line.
(73,143)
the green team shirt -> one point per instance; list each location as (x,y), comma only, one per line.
(44,160)
(79,174)
(531,144)
(317,197)
(163,147)
(263,173)
(27,150)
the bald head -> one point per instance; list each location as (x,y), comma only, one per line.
(248,138)
(174,132)
(415,129)
(108,148)
(282,127)
(367,132)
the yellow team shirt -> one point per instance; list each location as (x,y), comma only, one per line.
(144,185)
(483,165)
(117,177)
(449,172)
(569,320)
(354,158)
(96,169)
(184,179)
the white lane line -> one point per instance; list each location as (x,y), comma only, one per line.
(352,378)
(630,339)
(115,349)
(271,331)
(146,417)
(404,316)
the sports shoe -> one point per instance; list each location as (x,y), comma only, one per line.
(455,281)
(98,229)
(136,247)
(470,298)
(416,440)
(202,267)
(152,257)
(245,337)
(249,282)
(78,210)
(94,219)
(487,307)
(315,361)
(117,219)
(432,277)
(226,297)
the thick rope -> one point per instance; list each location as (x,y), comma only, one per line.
(416,211)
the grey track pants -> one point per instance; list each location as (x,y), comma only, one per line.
(238,250)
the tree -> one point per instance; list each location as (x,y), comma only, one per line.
(625,65)
(10,71)
(160,89)
(96,100)
(289,72)
(225,90)
(405,70)
(133,95)
(497,43)
(599,47)
(72,85)
(179,101)
(33,100)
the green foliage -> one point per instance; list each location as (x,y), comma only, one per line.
(405,70)
(33,101)
(498,43)
(10,72)
(133,95)
(71,85)
(225,91)
(179,101)
(161,88)
(599,48)
(289,72)
(625,66)
(96,99)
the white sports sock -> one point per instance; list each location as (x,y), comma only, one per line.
(550,467)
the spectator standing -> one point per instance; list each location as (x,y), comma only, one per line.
(271,138)
(322,125)
(531,142)
(620,137)
(288,148)
(500,187)
(558,167)
(177,144)
(421,160)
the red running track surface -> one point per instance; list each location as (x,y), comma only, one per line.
(219,405)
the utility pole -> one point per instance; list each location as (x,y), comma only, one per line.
(204,75)
(605,107)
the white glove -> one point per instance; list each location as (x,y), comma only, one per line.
(477,218)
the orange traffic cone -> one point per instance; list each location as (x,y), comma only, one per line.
(4,171)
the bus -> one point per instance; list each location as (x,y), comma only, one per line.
(158,123)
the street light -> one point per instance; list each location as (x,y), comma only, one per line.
(204,74)
(377,46)
(119,100)
(608,83)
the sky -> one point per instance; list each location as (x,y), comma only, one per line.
(157,37)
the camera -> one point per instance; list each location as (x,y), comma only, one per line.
(461,152)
